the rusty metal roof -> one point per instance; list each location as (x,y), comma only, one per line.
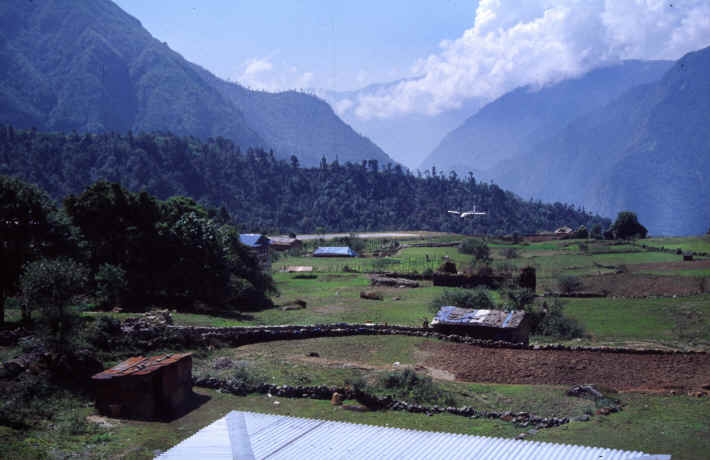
(140,365)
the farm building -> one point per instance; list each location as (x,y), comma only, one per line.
(512,326)
(334,251)
(152,388)
(259,245)
(563,231)
(249,435)
(284,244)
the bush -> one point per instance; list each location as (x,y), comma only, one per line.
(477,248)
(510,253)
(48,286)
(581,233)
(627,226)
(519,299)
(551,322)
(410,386)
(596,232)
(477,298)
(569,284)
(111,285)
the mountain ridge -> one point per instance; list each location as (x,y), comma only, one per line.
(91,67)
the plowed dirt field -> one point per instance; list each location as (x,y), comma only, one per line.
(622,371)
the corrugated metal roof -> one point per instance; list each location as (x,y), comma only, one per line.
(253,240)
(140,365)
(344,251)
(251,435)
(467,316)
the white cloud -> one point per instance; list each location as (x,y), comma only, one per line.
(262,74)
(539,42)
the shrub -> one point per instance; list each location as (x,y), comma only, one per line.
(477,298)
(477,248)
(510,253)
(428,273)
(448,267)
(569,284)
(627,226)
(49,285)
(519,299)
(111,284)
(581,233)
(551,322)
(410,386)
(596,232)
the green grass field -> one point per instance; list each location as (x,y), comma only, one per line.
(678,425)
(670,322)
(695,243)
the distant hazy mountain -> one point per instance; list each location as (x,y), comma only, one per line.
(523,117)
(407,138)
(647,151)
(88,66)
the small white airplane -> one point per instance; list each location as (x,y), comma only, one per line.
(469,213)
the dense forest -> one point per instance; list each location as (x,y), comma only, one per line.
(263,193)
(128,248)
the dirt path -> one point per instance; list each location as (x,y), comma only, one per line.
(622,371)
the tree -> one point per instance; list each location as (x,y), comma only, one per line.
(627,226)
(476,247)
(49,286)
(596,232)
(30,227)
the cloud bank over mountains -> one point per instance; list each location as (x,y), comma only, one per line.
(537,42)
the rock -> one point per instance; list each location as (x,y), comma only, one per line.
(223,363)
(313,354)
(584,391)
(521,436)
(12,368)
(371,295)
(398,282)
(336,399)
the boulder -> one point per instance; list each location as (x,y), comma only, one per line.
(371,295)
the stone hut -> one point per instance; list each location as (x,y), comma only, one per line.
(512,326)
(155,388)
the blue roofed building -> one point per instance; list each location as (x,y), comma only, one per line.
(259,245)
(334,251)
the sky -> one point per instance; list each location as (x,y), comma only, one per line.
(287,44)
(454,49)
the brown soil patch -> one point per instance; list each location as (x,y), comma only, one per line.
(622,371)
(669,266)
(637,285)
(329,309)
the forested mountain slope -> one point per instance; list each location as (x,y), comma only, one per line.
(266,194)
(523,117)
(649,151)
(88,66)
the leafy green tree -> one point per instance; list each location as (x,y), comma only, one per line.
(627,226)
(48,286)
(477,248)
(111,284)
(30,227)
(596,232)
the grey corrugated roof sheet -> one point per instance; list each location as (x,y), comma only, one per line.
(343,251)
(248,435)
(450,314)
